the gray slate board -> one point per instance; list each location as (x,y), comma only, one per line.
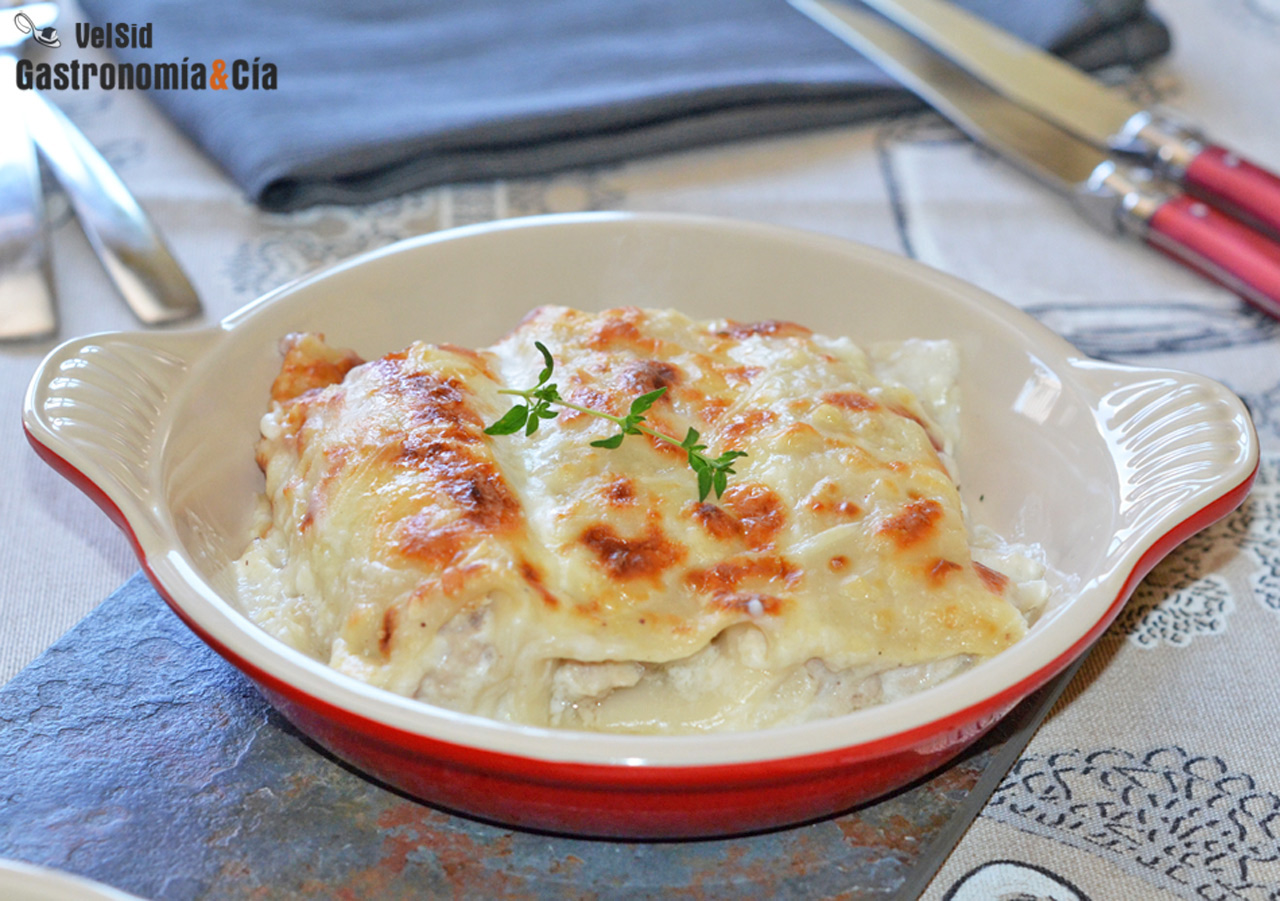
(130,753)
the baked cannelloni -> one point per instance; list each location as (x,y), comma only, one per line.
(540,580)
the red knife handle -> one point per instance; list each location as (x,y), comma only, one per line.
(1236,185)
(1220,247)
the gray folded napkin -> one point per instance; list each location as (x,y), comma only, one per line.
(383,96)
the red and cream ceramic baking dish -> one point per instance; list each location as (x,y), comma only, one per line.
(1106,467)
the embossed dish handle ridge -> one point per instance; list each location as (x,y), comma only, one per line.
(1180,442)
(96,411)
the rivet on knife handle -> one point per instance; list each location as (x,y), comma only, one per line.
(141,266)
(1199,236)
(1236,185)
(1220,247)
(1222,177)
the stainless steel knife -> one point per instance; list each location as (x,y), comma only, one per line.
(1062,94)
(133,253)
(1114,194)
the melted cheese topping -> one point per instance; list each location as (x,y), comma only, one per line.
(540,580)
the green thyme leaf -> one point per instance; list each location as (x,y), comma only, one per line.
(551,364)
(511,422)
(645,401)
(704,483)
(612,443)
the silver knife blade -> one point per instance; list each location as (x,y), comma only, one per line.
(1048,87)
(1021,72)
(26,300)
(1116,196)
(1043,150)
(133,253)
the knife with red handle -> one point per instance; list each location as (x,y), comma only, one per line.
(1107,188)
(1060,93)
(1192,232)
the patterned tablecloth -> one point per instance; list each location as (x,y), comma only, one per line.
(1157,774)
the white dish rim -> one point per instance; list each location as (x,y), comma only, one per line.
(999,682)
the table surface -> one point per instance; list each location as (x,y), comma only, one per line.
(1157,775)
(166,774)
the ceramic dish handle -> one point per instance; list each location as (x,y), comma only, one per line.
(96,407)
(1181,442)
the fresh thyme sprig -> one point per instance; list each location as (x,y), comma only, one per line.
(713,474)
